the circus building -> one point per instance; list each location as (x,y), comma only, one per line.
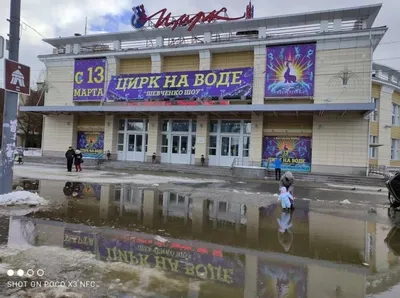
(223,89)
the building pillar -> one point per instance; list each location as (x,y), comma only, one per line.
(253,223)
(107,194)
(59,132)
(154,138)
(256,139)
(199,215)
(260,62)
(112,69)
(156,63)
(150,200)
(111,135)
(250,282)
(205,60)
(385,122)
(201,139)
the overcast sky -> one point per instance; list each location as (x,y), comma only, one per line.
(50,18)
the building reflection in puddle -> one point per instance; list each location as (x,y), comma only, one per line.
(224,248)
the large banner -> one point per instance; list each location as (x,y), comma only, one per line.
(89,79)
(172,257)
(295,153)
(278,280)
(91,144)
(221,83)
(79,240)
(290,71)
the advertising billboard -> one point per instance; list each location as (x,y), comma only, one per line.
(290,71)
(295,153)
(91,144)
(89,79)
(218,83)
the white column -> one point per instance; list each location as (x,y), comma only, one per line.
(111,135)
(256,139)
(205,60)
(260,64)
(385,123)
(156,63)
(154,138)
(250,283)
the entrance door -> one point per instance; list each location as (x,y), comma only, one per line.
(229,150)
(135,148)
(180,152)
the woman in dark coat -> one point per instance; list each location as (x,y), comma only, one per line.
(78,160)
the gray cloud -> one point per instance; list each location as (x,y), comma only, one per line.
(63,18)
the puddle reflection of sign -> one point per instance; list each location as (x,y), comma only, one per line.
(277,280)
(79,240)
(173,257)
(17,77)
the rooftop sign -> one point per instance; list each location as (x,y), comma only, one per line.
(165,19)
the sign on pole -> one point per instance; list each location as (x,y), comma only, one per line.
(17,77)
(1,47)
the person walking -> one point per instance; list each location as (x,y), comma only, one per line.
(78,160)
(278,166)
(69,155)
(287,180)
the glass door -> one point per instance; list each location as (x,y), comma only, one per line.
(135,149)
(180,152)
(229,150)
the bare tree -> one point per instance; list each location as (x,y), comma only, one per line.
(30,124)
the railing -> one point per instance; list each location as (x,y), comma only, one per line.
(385,171)
(288,31)
(245,162)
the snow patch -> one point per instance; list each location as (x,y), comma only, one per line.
(101,177)
(21,198)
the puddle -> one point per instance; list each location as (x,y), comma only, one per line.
(120,241)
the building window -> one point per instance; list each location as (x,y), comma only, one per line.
(164,143)
(395,149)
(121,124)
(374,115)
(230,126)
(135,125)
(246,146)
(373,151)
(212,147)
(180,125)
(395,115)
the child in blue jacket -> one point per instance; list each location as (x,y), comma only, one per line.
(285,198)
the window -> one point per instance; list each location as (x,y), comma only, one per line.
(213,126)
(230,126)
(121,124)
(164,144)
(395,149)
(165,125)
(194,125)
(180,125)
(247,127)
(120,142)
(135,125)
(373,151)
(212,147)
(395,115)
(246,146)
(374,115)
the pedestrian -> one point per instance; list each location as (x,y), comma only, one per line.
(287,180)
(285,199)
(78,160)
(69,155)
(108,155)
(278,165)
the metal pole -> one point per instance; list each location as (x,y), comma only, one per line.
(10,106)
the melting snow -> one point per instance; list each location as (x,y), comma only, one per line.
(21,198)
